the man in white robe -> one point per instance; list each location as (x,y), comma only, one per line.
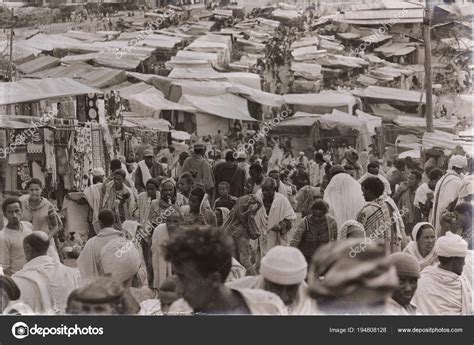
(274,219)
(373,170)
(447,189)
(283,272)
(442,290)
(89,260)
(45,283)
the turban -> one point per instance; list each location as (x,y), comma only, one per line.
(340,268)
(9,286)
(417,228)
(405,264)
(98,172)
(284,266)
(120,258)
(451,245)
(458,161)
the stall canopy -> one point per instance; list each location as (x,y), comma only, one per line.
(344,123)
(39,64)
(371,120)
(444,140)
(390,95)
(321,99)
(420,123)
(31,90)
(396,49)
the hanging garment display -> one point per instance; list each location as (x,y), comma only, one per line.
(81,113)
(50,157)
(92,108)
(82,157)
(24,175)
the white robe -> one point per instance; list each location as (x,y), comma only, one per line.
(45,284)
(446,191)
(281,209)
(442,292)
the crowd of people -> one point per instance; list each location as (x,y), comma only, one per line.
(265,233)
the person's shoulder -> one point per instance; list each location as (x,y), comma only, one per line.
(262,302)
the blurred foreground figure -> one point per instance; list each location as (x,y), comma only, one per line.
(442,290)
(201,257)
(346,282)
(104,296)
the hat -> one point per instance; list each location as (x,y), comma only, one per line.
(284,265)
(405,264)
(98,172)
(301,153)
(458,161)
(451,245)
(148,153)
(199,146)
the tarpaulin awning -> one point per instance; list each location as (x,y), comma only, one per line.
(151,102)
(285,15)
(197,73)
(30,90)
(371,120)
(305,42)
(309,71)
(395,49)
(227,106)
(86,36)
(320,99)
(256,95)
(340,61)
(444,140)
(299,121)
(390,95)
(307,53)
(375,38)
(348,35)
(420,123)
(127,62)
(459,44)
(39,64)
(344,124)
(151,123)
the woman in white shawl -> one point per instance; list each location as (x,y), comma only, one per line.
(345,198)
(422,248)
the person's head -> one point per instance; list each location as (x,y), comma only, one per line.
(458,163)
(269,187)
(172,149)
(115,164)
(332,280)
(319,209)
(408,271)
(201,257)
(463,212)
(223,189)
(425,237)
(97,179)
(168,293)
(173,221)
(119,178)
(274,174)
(372,188)
(334,170)
(103,296)
(12,211)
(185,183)
(168,189)
(35,244)
(195,198)
(301,168)
(349,169)
(414,179)
(400,164)
(9,291)
(106,218)
(318,157)
(434,176)
(256,172)
(148,156)
(284,270)
(229,156)
(199,149)
(373,168)
(35,188)
(452,251)
(182,157)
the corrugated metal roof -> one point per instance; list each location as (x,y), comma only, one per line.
(39,64)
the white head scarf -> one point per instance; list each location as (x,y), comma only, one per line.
(345,198)
(457,161)
(284,265)
(120,258)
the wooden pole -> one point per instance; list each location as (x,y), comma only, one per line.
(428,74)
(10,66)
